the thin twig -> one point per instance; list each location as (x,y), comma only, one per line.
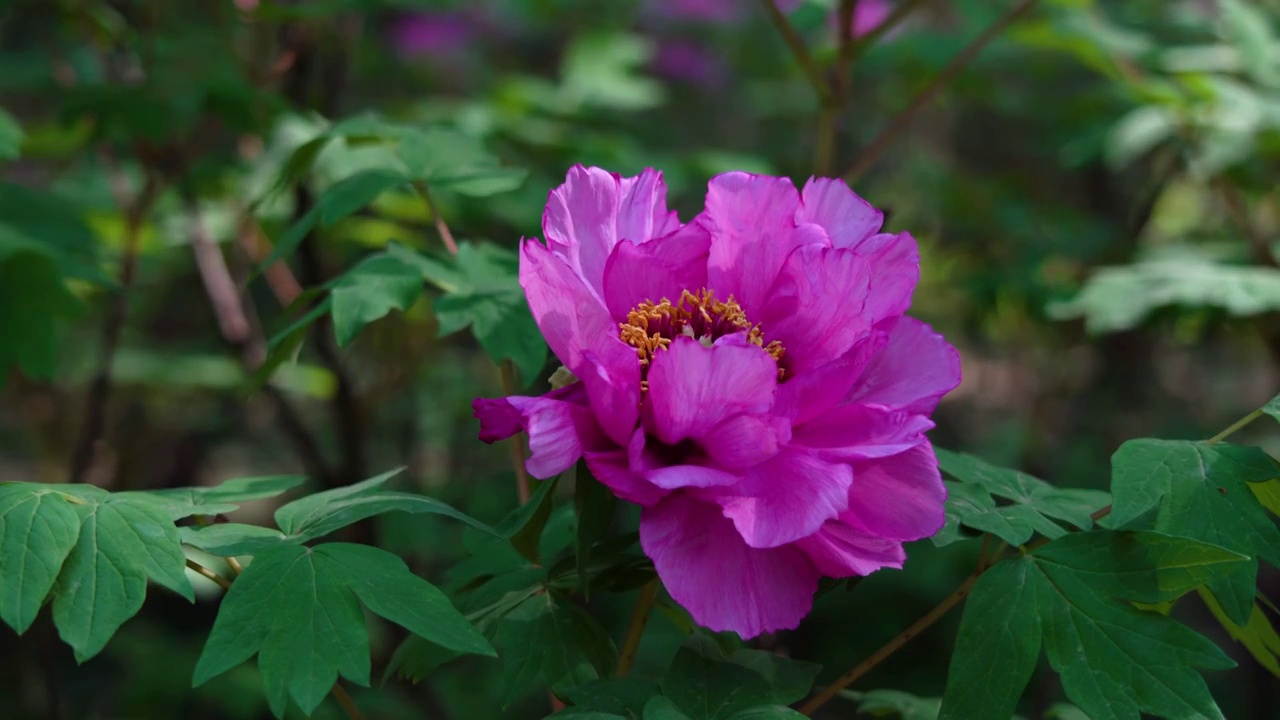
(891,647)
(222,582)
(436,217)
(900,121)
(508,372)
(348,705)
(234,564)
(799,50)
(635,631)
(135,211)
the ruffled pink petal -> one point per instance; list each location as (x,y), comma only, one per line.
(693,388)
(594,209)
(753,231)
(785,498)
(841,549)
(723,583)
(745,440)
(611,374)
(808,394)
(672,468)
(816,306)
(861,432)
(895,270)
(569,316)
(612,468)
(847,218)
(560,426)
(899,497)
(913,371)
(661,268)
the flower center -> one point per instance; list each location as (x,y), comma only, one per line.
(651,327)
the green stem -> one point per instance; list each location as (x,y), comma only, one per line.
(639,618)
(222,582)
(1237,425)
(436,217)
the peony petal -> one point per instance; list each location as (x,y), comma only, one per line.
(673,467)
(752,223)
(612,468)
(899,497)
(661,268)
(913,371)
(895,270)
(568,315)
(724,584)
(816,306)
(611,375)
(745,440)
(560,425)
(842,549)
(785,498)
(693,388)
(861,432)
(808,394)
(594,209)
(847,218)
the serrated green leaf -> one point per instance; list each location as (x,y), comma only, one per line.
(367,292)
(549,638)
(1115,661)
(1033,507)
(122,543)
(708,684)
(38,529)
(219,499)
(1201,491)
(11,136)
(297,609)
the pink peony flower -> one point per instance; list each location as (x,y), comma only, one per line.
(749,379)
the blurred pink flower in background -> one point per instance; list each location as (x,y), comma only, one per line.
(437,35)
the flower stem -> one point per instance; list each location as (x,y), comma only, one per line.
(890,647)
(799,50)
(222,582)
(639,618)
(348,705)
(1237,425)
(436,217)
(900,122)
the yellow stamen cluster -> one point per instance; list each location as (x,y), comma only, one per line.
(652,326)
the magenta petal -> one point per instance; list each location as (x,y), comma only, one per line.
(673,468)
(913,371)
(613,470)
(745,440)
(499,419)
(816,306)
(594,209)
(611,375)
(808,394)
(661,268)
(569,316)
(895,270)
(753,231)
(693,388)
(724,584)
(861,432)
(841,549)
(899,497)
(560,427)
(785,498)
(847,218)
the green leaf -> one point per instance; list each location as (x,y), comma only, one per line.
(297,609)
(663,708)
(11,137)
(708,684)
(34,304)
(47,223)
(603,70)
(1248,27)
(123,542)
(446,158)
(768,712)
(524,525)
(38,528)
(549,638)
(1115,661)
(1272,408)
(1201,491)
(367,292)
(1258,636)
(594,505)
(622,697)
(231,539)
(895,703)
(1033,504)
(219,499)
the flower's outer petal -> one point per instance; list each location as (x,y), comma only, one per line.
(808,394)
(560,426)
(661,268)
(785,498)
(913,370)
(895,270)
(745,440)
(672,468)
(847,218)
(693,388)
(816,306)
(844,549)
(568,315)
(753,231)
(899,497)
(611,375)
(612,468)
(723,583)
(861,432)
(594,209)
